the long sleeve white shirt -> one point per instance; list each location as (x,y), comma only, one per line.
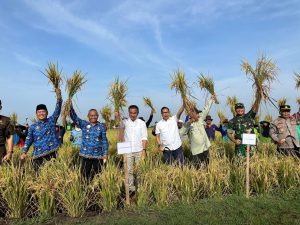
(135,132)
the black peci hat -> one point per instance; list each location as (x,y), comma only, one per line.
(41,107)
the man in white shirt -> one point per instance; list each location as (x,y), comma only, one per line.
(134,130)
(167,136)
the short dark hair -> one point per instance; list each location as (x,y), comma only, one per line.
(133,107)
(92,110)
(165,107)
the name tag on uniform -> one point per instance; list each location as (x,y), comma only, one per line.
(249,139)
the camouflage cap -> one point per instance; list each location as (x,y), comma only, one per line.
(239,105)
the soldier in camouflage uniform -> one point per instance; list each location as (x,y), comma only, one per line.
(240,124)
(6,135)
(283,132)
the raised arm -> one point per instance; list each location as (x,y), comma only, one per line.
(75,118)
(180,111)
(58,105)
(207,108)
(150,119)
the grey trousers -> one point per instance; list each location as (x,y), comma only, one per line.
(132,160)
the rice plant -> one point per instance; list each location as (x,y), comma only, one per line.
(264,73)
(221,116)
(107,186)
(281,102)
(231,102)
(13,118)
(117,95)
(148,102)
(106,113)
(74,85)
(179,83)
(268,118)
(73,192)
(207,83)
(297,80)
(54,75)
(298,101)
(14,189)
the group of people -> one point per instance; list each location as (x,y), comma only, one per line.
(90,135)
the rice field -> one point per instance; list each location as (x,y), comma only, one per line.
(60,190)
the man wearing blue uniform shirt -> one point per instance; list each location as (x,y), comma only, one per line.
(42,134)
(94,145)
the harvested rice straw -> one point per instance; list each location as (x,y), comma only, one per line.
(262,76)
(298,101)
(54,75)
(221,116)
(268,118)
(74,85)
(148,102)
(231,102)
(207,83)
(281,102)
(106,113)
(297,79)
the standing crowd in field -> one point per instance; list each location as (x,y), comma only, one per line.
(90,136)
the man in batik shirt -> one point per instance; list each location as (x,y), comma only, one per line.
(94,146)
(42,134)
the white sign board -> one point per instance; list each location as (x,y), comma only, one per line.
(124,148)
(249,139)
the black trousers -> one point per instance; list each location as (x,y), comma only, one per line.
(90,167)
(289,151)
(38,162)
(201,159)
(2,152)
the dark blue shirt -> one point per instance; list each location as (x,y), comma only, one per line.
(94,141)
(42,135)
(210,131)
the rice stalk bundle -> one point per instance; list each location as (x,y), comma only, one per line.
(264,73)
(107,186)
(281,102)
(298,101)
(207,83)
(14,189)
(54,75)
(148,102)
(268,118)
(13,118)
(179,83)
(117,95)
(106,113)
(297,79)
(73,86)
(221,116)
(231,102)
(256,119)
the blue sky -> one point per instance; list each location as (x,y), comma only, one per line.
(144,42)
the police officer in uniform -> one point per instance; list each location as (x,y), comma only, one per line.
(283,132)
(6,135)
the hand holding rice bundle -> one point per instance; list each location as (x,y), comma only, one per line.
(207,83)
(74,85)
